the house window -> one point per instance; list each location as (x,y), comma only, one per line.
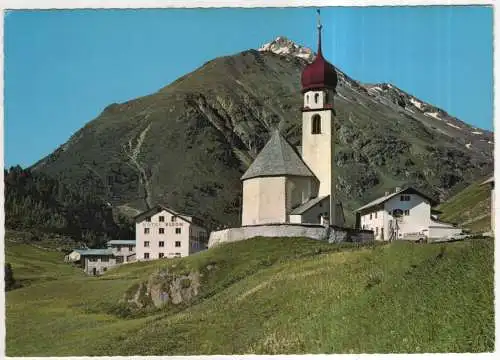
(407,212)
(146,255)
(371,215)
(405,197)
(177,254)
(375,215)
(148,219)
(146,230)
(177,244)
(161,230)
(316,124)
(130,248)
(146,243)
(162,219)
(161,244)
(177,230)
(161,255)
(316,98)
(173,218)
(376,231)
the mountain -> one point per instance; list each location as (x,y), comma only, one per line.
(187,144)
(40,209)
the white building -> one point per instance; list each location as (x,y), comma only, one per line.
(164,233)
(403,214)
(92,261)
(123,250)
(98,261)
(285,186)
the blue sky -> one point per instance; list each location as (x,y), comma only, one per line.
(62,68)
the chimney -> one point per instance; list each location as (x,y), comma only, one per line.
(398,189)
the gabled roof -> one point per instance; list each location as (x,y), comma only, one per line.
(94,252)
(121,242)
(490,180)
(302,208)
(383,199)
(277,158)
(158,208)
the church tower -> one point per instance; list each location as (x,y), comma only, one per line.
(319,80)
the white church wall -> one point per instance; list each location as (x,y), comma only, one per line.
(317,99)
(264,201)
(318,149)
(318,232)
(250,207)
(299,189)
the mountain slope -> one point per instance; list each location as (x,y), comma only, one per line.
(270,296)
(188,144)
(470,208)
(49,209)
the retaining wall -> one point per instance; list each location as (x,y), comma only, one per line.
(331,234)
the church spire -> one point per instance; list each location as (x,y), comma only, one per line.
(319,32)
(320,74)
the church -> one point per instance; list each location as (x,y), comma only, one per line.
(284,185)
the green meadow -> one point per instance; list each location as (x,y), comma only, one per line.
(263,296)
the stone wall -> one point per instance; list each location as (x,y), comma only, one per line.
(332,234)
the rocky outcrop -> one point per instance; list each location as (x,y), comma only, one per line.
(164,288)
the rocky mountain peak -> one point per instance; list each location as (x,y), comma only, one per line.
(284,46)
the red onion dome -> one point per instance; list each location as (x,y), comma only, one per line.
(320,74)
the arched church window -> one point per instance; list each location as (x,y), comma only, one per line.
(316,97)
(316,124)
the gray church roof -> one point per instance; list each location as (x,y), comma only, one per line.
(277,158)
(302,208)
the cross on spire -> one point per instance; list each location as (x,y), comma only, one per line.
(319,31)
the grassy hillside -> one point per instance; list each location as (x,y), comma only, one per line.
(268,296)
(469,208)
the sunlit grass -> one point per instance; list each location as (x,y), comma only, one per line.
(274,296)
